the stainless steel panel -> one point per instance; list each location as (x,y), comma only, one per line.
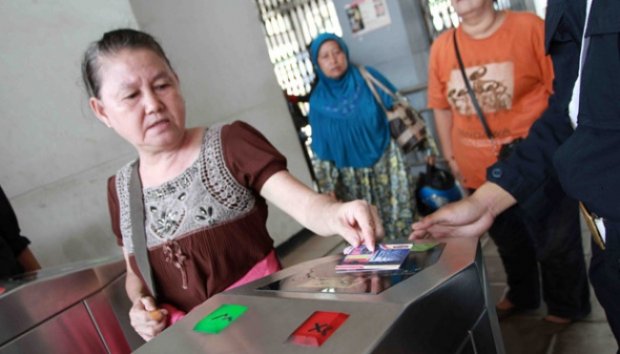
(53,307)
(106,324)
(267,324)
(70,332)
(439,321)
(39,296)
(115,298)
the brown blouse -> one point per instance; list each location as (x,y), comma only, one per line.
(207,227)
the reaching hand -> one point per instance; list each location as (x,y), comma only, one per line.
(358,222)
(467,217)
(146,318)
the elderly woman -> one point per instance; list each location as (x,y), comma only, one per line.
(355,157)
(203,189)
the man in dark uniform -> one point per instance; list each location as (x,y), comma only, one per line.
(15,256)
(583,152)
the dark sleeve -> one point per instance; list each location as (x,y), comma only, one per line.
(114,210)
(9,227)
(528,174)
(249,156)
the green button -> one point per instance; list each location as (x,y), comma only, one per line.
(218,320)
(423,247)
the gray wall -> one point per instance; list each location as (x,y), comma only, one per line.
(399,50)
(56,157)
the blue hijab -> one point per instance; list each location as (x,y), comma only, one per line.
(349,127)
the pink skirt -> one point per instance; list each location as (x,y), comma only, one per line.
(267,266)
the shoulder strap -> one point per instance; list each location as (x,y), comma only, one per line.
(371,81)
(138,234)
(470,91)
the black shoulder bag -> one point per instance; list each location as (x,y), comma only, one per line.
(506,149)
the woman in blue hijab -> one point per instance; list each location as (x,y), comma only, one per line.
(355,157)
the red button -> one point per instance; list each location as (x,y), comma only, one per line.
(318,328)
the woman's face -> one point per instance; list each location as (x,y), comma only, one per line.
(332,60)
(140,99)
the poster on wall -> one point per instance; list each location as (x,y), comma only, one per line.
(367,15)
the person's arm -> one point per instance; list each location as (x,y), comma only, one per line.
(146,319)
(529,169)
(357,221)
(469,217)
(443,125)
(133,285)
(27,259)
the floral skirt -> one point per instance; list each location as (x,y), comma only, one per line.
(386,185)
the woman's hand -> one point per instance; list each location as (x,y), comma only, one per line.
(469,217)
(146,318)
(357,222)
(462,218)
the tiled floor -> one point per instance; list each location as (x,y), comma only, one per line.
(525,333)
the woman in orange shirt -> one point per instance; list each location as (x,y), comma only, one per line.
(504,60)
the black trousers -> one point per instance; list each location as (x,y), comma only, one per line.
(547,253)
(605,276)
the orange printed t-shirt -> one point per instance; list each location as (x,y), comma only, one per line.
(511,77)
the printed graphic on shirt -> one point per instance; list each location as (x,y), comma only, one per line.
(492,83)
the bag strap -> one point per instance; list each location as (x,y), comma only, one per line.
(371,81)
(138,234)
(471,93)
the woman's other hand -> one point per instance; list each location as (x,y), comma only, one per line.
(469,217)
(146,318)
(462,218)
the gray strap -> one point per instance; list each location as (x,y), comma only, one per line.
(138,234)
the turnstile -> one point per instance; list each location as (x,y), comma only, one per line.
(437,304)
(77,308)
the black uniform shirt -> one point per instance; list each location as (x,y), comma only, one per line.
(586,159)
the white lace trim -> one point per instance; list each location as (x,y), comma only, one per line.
(203,196)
